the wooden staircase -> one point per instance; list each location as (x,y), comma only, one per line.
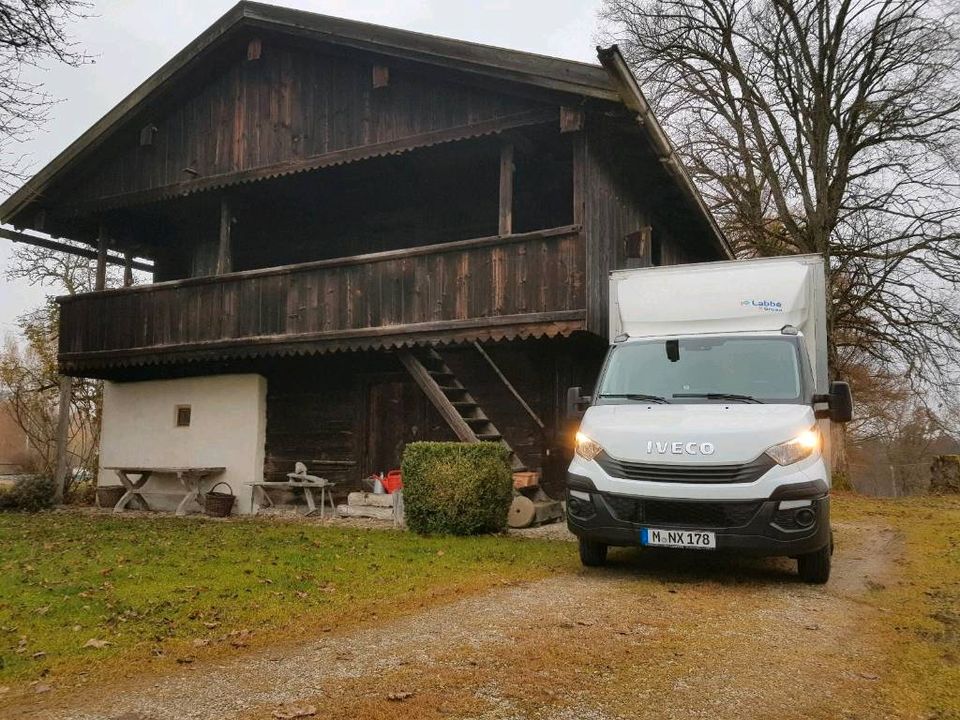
(453,401)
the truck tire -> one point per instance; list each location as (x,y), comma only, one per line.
(593,554)
(814,567)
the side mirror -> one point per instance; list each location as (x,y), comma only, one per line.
(577,403)
(841,402)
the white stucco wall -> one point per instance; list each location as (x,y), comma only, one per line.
(227,428)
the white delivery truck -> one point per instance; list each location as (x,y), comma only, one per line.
(707,426)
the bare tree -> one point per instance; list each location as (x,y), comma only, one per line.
(829,127)
(32,32)
(29,378)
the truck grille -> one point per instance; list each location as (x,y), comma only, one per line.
(670,472)
(681,512)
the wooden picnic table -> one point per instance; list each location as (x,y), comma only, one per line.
(189,477)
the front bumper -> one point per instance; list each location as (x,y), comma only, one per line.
(756,527)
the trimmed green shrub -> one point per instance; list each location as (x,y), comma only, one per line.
(30,493)
(456,488)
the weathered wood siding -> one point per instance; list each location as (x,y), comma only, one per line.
(525,275)
(347,416)
(610,210)
(293,103)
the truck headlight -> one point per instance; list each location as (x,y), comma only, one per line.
(795,450)
(586,447)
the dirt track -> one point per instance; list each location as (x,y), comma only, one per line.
(652,636)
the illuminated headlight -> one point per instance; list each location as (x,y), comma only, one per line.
(587,448)
(802,446)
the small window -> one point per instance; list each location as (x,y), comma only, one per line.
(183,416)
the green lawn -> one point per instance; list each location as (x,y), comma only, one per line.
(166,590)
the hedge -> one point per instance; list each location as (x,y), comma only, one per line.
(30,493)
(456,488)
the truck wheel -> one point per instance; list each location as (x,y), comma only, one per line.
(815,567)
(593,554)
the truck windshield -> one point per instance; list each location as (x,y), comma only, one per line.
(705,369)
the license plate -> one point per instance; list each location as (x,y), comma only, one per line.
(692,539)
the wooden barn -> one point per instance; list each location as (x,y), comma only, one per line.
(359,237)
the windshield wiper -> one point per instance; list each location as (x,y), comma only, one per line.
(638,396)
(719,396)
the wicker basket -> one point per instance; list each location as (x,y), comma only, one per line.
(109,495)
(218,504)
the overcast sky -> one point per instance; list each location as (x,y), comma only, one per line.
(130,39)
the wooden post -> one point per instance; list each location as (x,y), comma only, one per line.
(101,282)
(506,189)
(225,253)
(127,268)
(63,433)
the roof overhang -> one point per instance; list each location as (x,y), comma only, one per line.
(629,90)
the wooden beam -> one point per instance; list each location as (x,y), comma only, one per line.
(101,281)
(225,251)
(63,433)
(113,259)
(381,76)
(363,259)
(440,401)
(503,378)
(571,119)
(506,189)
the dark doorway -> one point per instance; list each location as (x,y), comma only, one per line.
(397,413)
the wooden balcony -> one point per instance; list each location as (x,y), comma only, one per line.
(529,284)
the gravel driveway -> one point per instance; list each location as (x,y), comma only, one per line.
(656,636)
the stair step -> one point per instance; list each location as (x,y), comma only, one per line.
(464,403)
(482,420)
(489,436)
(452,388)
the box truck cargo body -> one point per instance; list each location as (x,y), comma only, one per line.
(707,427)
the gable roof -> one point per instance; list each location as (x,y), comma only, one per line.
(612,82)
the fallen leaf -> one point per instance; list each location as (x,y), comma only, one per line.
(39,689)
(77,628)
(39,655)
(399,696)
(201,642)
(440,553)
(97,644)
(869,676)
(184,660)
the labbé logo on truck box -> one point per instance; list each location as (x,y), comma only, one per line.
(765,305)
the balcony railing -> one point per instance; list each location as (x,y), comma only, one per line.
(446,291)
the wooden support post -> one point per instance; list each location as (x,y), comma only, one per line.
(225,252)
(63,436)
(506,189)
(127,268)
(101,282)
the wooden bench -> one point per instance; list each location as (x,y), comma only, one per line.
(307,483)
